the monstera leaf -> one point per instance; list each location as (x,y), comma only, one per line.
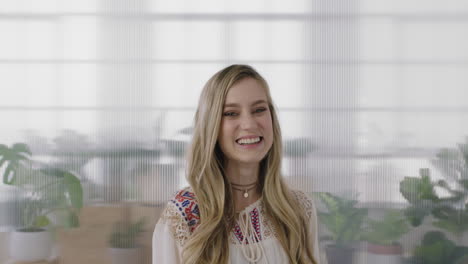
(13,157)
(71,186)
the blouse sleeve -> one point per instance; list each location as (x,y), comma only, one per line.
(165,249)
(314,233)
(308,204)
(169,234)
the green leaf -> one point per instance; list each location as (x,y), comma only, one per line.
(74,189)
(72,185)
(2,161)
(55,172)
(450,219)
(13,156)
(21,148)
(41,221)
(435,248)
(330,201)
(409,188)
(343,219)
(388,230)
(416,215)
(21,157)
(9,174)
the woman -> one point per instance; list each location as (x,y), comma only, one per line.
(237,208)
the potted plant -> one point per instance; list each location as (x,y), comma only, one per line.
(344,221)
(382,237)
(435,248)
(10,159)
(49,197)
(421,192)
(123,242)
(450,211)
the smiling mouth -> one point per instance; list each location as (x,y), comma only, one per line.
(250,141)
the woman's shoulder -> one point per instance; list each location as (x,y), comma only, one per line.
(181,215)
(305,201)
(184,206)
(185,195)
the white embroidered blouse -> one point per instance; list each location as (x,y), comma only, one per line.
(181,216)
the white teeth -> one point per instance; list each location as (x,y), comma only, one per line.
(249,140)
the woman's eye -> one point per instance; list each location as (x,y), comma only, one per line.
(229,114)
(259,110)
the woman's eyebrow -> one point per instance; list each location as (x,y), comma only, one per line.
(237,105)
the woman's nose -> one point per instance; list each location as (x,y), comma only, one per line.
(248,122)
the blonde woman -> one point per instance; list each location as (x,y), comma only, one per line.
(238,208)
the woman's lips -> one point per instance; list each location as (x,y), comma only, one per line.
(250,146)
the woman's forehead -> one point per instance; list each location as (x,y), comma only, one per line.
(246,92)
(257,102)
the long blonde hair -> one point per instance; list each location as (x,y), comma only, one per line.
(209,243)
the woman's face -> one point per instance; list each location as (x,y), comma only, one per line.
(246,133)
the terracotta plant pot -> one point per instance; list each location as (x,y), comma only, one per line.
(384,254)
(30,246)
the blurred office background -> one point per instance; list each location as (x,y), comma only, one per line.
(368,92)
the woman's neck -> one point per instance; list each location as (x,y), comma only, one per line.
(242,177)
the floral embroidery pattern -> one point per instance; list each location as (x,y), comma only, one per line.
(183,216)
(187,205)
(256,223)
(254,216)
(238,233)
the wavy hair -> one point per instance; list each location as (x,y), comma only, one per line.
(209,243)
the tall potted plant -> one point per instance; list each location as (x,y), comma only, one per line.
(383,235)
(50,197)
(450,212)
(421,192)
(344,221)
(123,242)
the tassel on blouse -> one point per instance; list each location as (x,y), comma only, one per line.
(251,247)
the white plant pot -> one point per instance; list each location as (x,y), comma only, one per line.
(30,246)
(125,255)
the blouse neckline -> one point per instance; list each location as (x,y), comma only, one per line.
(251,206)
